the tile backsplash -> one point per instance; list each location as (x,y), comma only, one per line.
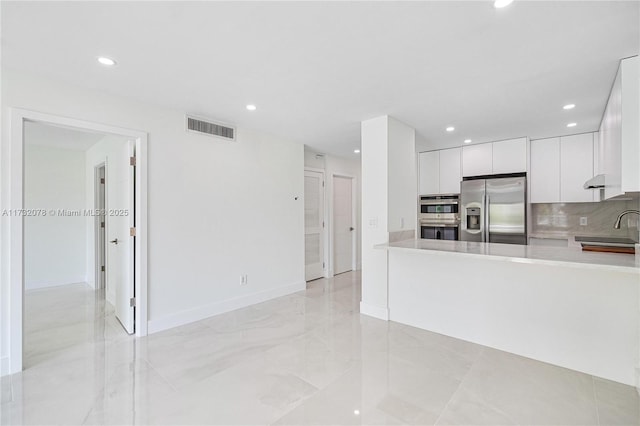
(564,219)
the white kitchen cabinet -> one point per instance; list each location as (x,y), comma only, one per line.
(510,156)
(429,172)
(477,160)
(576,167)
(620,132)
(450,172)
(439,172)
(495,158)
(544,174)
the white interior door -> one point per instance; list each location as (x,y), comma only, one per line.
(120,216)
(313,224)
(343,226)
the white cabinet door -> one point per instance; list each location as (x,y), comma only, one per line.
(429,174)
(576,167)
(450,173)
(477,160)
(545,171)
(611,140)
(510,156)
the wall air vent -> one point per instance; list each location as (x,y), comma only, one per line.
(210,128)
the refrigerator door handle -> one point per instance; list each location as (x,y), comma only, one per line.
(483,218)
(486,204)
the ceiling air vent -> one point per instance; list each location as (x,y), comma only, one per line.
(210,128)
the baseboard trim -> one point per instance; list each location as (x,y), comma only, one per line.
(4,366)
(202,312)
(39,285)
(374,311)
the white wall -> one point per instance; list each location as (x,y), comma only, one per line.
(216,209)
(389,190)
(374,216)
(108,150)
(403,182)
(54,245)
(343,167)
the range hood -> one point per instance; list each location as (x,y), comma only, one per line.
(595,182)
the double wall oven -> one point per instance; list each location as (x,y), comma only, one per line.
(439,217)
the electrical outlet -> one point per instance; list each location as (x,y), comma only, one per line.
(583,221)
(244,279)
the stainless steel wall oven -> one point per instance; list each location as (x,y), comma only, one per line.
(439,216)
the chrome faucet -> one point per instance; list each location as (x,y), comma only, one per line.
(617,225)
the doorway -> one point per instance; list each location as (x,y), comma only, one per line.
(343,225)
(313,224)
(135,236)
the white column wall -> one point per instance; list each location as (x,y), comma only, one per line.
(403,182)
(389,188)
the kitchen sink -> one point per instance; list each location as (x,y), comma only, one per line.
(607,244)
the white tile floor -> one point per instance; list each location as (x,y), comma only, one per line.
(307,358)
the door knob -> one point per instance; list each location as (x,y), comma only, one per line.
(114,241)
(351,228)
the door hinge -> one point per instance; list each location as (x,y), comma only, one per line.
(101,224)
(102,268)
(102,181)
(323,223)
(132,161)
(132,302)
(132,232)
(322,265)
(323,184)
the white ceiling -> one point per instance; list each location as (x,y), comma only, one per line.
(38,134)
(316,69)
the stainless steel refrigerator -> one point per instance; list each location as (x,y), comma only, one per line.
(494,210)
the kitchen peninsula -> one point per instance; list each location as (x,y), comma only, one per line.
(579,310)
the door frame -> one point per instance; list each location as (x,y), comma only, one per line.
(354,245)
(14,256)
(324,233)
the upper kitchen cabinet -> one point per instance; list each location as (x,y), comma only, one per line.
(477,160)
(576,167)
(508,156)
(429,172)
(544,175)
(439,172)
(450,171)
(620,132)
(559,168)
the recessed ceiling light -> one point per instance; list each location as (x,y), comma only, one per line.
(106,61)
(572,124)
(499,4)
(251,107)
(467,141)
(356,412)
(569,106)
(356,151)
(450,129)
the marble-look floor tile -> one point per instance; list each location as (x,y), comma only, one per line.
(252,392)
(529,392)
(305,358)
(618,404)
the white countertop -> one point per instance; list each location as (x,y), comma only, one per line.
(568,256)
